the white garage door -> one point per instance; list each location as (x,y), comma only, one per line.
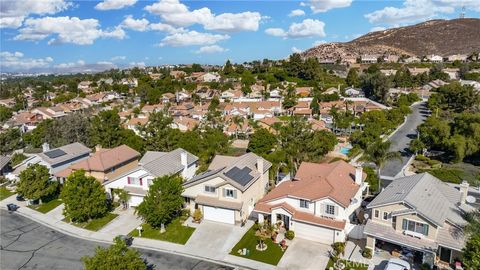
(135,200)
(219,214)
(314,233)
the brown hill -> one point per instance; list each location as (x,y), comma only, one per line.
(442,37)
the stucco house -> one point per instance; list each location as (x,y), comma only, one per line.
(318,204)
(152,165)
(228,190)
(421,213)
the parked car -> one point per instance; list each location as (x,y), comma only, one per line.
(397,264)
(12,207)
(126,239)
(20,198)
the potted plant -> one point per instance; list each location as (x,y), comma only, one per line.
(197,215)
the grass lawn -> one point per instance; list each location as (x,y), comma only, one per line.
(272,255)
(95,224)
(5,193)
(175,232)
(349,265)
(46,206)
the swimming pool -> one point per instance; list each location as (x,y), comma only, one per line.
(344,150)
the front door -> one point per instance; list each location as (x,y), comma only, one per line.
(286,222)
(445,254)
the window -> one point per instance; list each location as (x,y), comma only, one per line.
(304,204)
(385,215)
(229,193)
(376,213)
(409,225)
(134,181)
(209,189)
(330,209)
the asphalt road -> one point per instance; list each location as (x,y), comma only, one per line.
(26,244)
(401,140)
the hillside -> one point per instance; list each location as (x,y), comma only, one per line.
(442,37)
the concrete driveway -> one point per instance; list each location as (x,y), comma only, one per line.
(304,254)
(124,223)
(215,240)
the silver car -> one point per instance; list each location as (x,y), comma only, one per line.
(397,264)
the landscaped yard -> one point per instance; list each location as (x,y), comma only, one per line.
(175,232)
(5,193)
(96,224)
(46,206)
(349,265)
(272,255)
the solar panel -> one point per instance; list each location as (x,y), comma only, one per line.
(241,176)
(55,153)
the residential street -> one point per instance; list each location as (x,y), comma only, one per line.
(401,139)
(26,244)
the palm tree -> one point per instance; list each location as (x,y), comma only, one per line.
(378,153)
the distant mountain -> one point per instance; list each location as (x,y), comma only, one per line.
(442,37)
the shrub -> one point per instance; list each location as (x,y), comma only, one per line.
(290,235)
(422,158)
(197,215)
(339,247)
(367,253)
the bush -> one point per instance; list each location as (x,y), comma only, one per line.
(422,158)
(290,235)
(339,247)
(367,253)
(197,215)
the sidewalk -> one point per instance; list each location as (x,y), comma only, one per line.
(53,219)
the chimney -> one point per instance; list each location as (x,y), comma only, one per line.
(463,192)
(183,159)
(260,165)
(358,175)
(45,147)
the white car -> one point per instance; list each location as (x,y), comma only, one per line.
(397,264)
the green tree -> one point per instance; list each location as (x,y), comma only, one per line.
(228,68)
(416,146)
(378,153)
(262,142)
(352,78)
(10,140)
(158,133)
(117,256)
(84,197)
(5,113)
(372,179)
(105,129)
(163,201)
(17,158)
(35,183)
(471,252)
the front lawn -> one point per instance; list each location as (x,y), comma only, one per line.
(349,265)
(5,193)
(95,224)
(272,255)
(46,206)
(175,232)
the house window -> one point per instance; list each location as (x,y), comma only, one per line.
(376,213)
(209,189)
(385,215)
(330,209)
(409,225)
(304,204)
(229,193)
(135,181)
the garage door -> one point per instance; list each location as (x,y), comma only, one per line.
(314,233)
(219,214)
(135,200)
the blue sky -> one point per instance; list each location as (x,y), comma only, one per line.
(63,35)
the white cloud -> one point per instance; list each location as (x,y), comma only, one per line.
(296,50)
(325,5)
(118,58)
(82,66)
(377,28)
(175,13)
(318,42)
(135,24)
(296,12)
(307,28)
(66,30)
(79,63)
(418,10)
(137,64)
(13,13)
(114,4)
(211,49)
(16,61)
(163,27)
(191,38)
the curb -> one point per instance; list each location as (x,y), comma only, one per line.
(179,253)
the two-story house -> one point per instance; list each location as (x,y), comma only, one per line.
(228,190)
(421,213)
(105,163)
(318,203)
(152,165)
